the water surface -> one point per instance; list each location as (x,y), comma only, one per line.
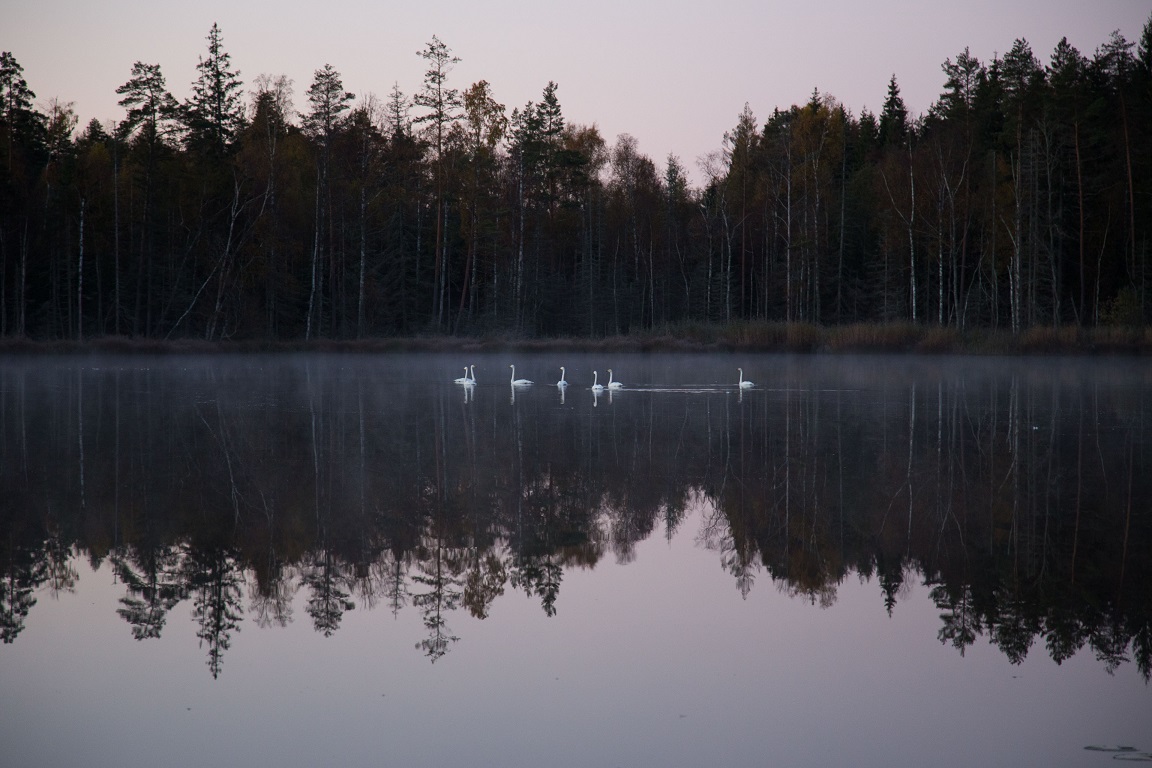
(351,560)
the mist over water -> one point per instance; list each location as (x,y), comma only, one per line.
(351,559)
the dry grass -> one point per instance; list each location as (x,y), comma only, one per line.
(1050,339)
(872,337)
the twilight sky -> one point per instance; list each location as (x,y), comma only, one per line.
(673,74)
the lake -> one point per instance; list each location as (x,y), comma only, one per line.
(352,560)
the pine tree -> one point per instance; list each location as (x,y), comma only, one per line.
(20,123)
(329,102)
(963,78)
(151,108)
(23,154)
(444,106)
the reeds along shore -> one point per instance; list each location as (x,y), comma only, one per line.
(684,337)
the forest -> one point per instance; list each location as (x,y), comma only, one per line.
(1022,199)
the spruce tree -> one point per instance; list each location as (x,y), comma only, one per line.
(329,101)
(215,112)
(893,117)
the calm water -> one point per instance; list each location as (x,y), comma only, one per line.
(353,561)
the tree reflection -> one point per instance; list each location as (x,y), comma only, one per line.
(23,574)
(325,579)
(154,584)
(484,583)
(1017,500)
(439,574)
(215,584)
(959,623)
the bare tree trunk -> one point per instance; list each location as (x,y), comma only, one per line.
(116,238)
(1099,266)
(519,290)
(224,264)
(789,313)
(1131,192)
(1016,235)
(911,224)
(1053,239)
(363,260)
(80,278)
(22,286)
(728,265)
(3,286)
(315,261)
(708,283)
(651,285)
(840,255)
(468,288)
(940,259)
(438,255)
(1080,206)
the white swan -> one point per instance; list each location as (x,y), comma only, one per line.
(613,384)
(561,383)
(595,386)
(519,382)
(472,375)
(743,383)
(462,379)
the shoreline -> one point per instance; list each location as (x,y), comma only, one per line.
(797,338)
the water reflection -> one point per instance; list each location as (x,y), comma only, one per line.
(1016,493)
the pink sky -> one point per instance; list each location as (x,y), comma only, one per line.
(673,74)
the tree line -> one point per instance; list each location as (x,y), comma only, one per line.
(1020,199)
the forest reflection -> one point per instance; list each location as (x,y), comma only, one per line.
(1019,499)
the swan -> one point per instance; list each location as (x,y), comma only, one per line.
(595,386)
(613,384)
(472,375)
(743,383)
(519,382)
(562,383)
(462,379)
